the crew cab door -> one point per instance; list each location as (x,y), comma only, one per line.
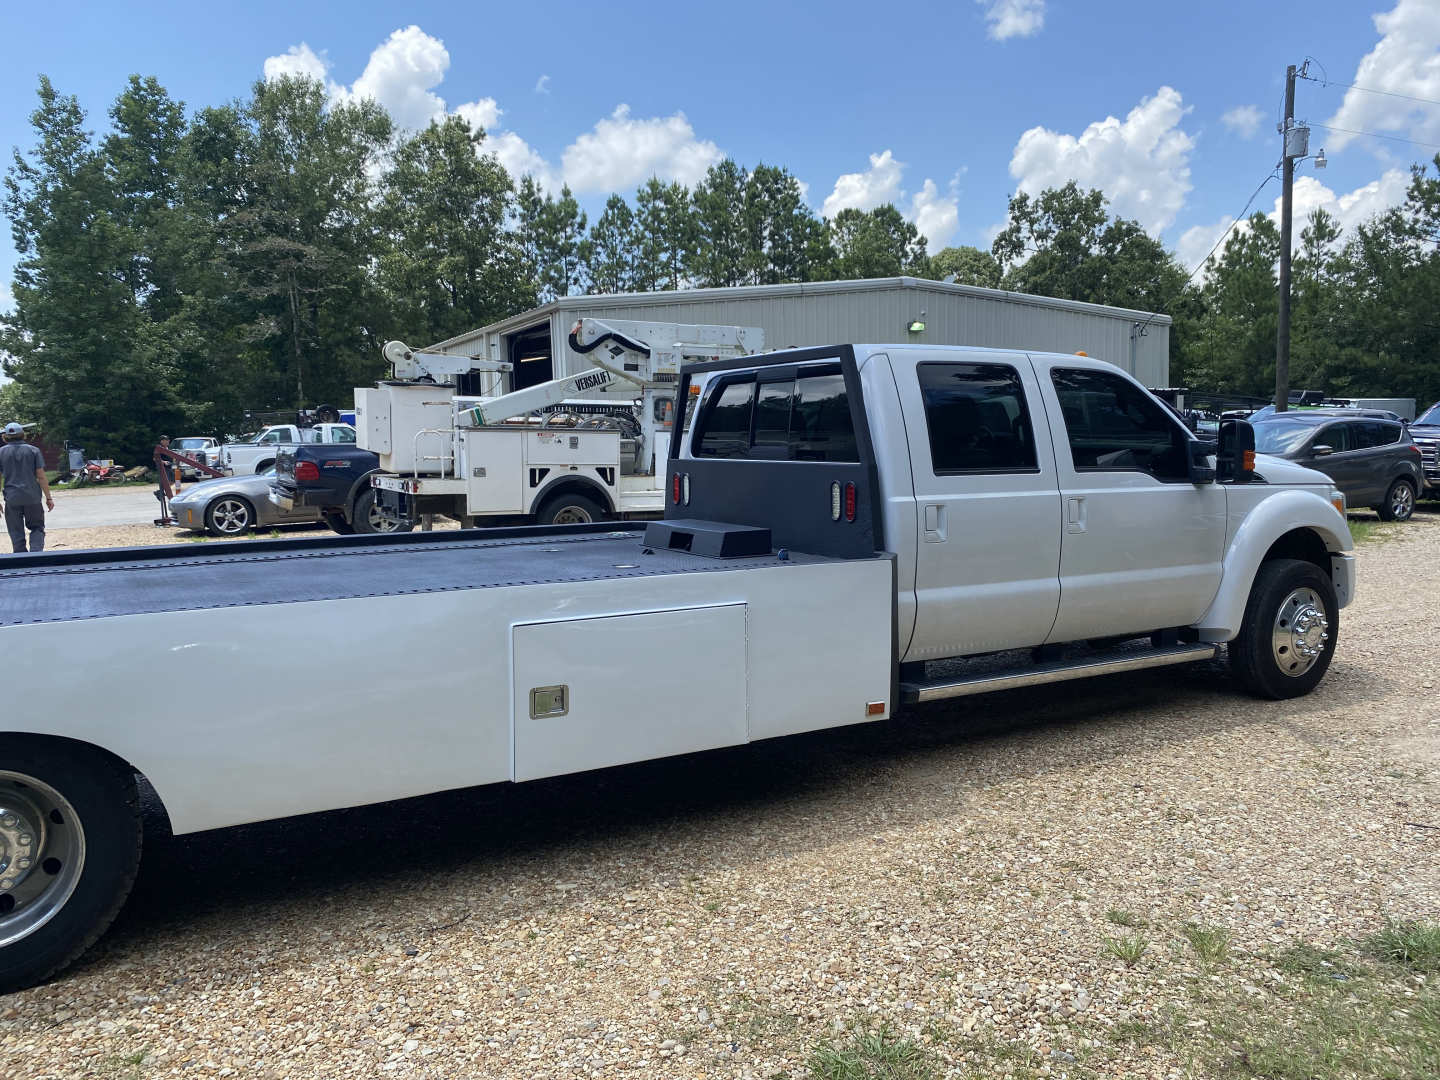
(1142,545)
(987,502)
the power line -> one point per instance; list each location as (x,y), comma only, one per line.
(1377,135)
(1371,90)
(1230,228)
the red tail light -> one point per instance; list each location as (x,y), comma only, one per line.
(307,472)
(675,488)
(850,502)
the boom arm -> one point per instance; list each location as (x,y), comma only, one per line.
(412,364)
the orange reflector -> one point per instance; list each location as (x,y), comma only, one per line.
(875,708)
(1339,503)
(1249,461)
(1081,352)
(694,390)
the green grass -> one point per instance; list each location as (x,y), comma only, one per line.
(1211,944)
(1414,944)
(1128,949)
(872,1053)
(1371,530)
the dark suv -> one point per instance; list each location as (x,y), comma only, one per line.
(1426,433)
(1373,461)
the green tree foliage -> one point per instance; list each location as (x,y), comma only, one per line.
(783,237)
(562,233)
(447,256)
(611,252)
(1233,347)
(83,357)
(876,243)
(666,235)
(720,256)
(969,265)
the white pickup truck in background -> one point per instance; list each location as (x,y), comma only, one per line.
(848,528)
(258,454)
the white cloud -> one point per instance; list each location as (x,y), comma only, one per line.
(622,151)
(401,75)
(1244,120)
(866,190)
(1351,209)
(1195,242)
(7,298)
(1141,163)
(1406,60)
(484,113)
(521,159)
(297,62)
(1013,18)
(542,84)
(935,215)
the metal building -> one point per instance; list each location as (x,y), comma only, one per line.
(902,309)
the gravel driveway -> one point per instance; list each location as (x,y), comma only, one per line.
(948,874)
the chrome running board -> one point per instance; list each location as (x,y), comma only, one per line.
(914,693)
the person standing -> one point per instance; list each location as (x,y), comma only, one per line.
(26,486)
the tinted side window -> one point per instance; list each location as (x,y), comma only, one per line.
(1336,436)
(1113,425)
(820,424)
(977,418)
(725,428)
(1377,433)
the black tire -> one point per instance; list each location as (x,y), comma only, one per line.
(337,523)
(229,516)
(570,509)
(1266,656)
(1399,502)
(367,518)
(103,807)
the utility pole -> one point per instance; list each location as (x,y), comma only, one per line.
(1287,181)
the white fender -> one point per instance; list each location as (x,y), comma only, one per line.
(1274,515)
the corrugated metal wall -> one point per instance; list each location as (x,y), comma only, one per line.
(879,313)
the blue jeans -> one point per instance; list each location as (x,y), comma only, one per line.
(18,518)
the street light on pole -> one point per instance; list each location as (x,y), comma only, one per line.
(1295,143)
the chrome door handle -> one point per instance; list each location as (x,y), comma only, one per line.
(1075,514)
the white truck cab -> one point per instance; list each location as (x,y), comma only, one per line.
(258,454)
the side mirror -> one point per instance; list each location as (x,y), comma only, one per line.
(1199,463)
(1321,450)
(1235,456)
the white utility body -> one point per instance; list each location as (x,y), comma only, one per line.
(571,450)
(258,454)
(838,520)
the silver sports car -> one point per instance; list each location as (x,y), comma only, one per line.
(233,505)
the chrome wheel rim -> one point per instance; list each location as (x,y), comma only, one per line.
(42,853)
(1402,503)
(573,515)
(1300,632)
(230,516)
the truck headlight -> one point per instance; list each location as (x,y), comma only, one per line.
(1337,500)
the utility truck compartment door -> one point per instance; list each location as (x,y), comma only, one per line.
(590,693)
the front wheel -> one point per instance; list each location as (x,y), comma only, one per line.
(1399,502)
(69,850)
(229,515)
(1288,635)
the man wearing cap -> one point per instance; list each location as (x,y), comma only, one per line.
(26,485)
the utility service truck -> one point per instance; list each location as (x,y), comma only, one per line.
(572,450)
(847,529)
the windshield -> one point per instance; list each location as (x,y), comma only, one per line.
(191,444)
(1430,415)
(1281,436)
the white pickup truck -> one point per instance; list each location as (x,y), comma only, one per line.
(257,454)
(838,520)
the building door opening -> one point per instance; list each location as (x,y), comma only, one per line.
(530,353)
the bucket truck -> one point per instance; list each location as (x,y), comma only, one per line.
(578,448)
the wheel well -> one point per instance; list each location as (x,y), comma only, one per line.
(1303,544)
(359,488)
(80,745)
(572,485)
(261,466)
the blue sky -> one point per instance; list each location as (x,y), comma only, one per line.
(943,108)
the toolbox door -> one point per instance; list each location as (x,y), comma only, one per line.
(590,693)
